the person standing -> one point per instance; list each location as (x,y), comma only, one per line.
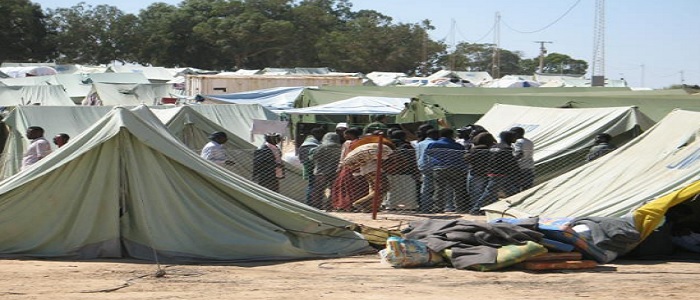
(61,139)
(450,169)
(425,200)
(478,158)
(38,148)
(523,150)
(267,163)
(214,150)
(326,158)
(602,146)
(310,143)
(501,167)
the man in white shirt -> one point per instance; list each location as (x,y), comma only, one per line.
(523,150)
(214,150)
(39,147)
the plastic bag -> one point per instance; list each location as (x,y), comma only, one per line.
(404,253)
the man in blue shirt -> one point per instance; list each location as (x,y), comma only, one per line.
(450,170)
(426,192)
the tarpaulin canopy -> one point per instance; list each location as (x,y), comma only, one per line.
(275,98)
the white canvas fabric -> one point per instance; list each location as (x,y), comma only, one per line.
(360,105)
(125,187)
(661,160)
(557,132)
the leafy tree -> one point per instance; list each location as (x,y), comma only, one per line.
(91,35)
(370,42)
(557,63)
(23,32)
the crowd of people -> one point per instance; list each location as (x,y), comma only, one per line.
(438,170)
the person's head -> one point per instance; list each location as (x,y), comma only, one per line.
(447,133)
(464,132)
(476,129)
(398,135)
(218,137)
(60,139)
(422,130)
(484,139)
(433,134)
(507,137)
(317,133)
(602,138)
(519,132)
(341,127)
(330,138)
(273,138)
(34,132)
(352,133)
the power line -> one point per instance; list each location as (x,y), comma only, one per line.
(478,40)
(548,25)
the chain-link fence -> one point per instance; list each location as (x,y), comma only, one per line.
(447,181)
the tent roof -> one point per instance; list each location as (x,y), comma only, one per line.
(130,94)
(559,131)
(279,98)
(126,187)
(160,74)
(663,159)
(34,95)
(360,105)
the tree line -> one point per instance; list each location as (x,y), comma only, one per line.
(247,34)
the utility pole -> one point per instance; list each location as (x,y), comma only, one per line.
(598,68)
(642,75)
(682,77)
(543,52)
(496,59)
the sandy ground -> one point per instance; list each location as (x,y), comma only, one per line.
(360,277)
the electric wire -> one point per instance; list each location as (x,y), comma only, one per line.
(548,25)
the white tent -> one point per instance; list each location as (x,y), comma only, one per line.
(34,95)
(127,188)
(127,94)
(562,136)
(664,159)
(279,98)
(360,105)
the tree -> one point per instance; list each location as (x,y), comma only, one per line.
(91,35)
(370,42)
(23,32)
(556,63)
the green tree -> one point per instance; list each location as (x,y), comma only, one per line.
(556,63)
(91,35)
(23,32)
(370,42)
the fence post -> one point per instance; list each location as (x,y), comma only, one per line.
(378,177)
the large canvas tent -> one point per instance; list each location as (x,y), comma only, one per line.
(275,99)
(127,94)
(34,95)
(193,130)
(660,168)
(562,136)
(127,188)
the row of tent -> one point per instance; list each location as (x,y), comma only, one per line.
(130,184)
(127,187)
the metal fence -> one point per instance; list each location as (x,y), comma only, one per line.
(462,182)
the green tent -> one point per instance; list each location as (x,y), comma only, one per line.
(126,187)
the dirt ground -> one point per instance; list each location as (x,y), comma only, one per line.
(360,277)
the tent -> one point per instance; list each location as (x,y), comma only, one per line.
(562,136)
(73,120)
(279,98)
(360,105)
(34,95)
(193,130)
(660,168)
(127,188)
(127,94)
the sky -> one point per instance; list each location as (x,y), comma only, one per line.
(649,43)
